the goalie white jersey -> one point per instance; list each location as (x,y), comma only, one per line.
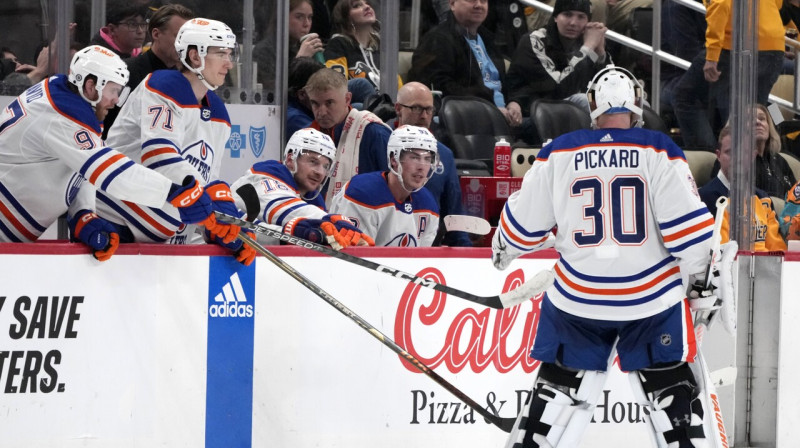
(49,145)
(276,200)
(366,198)
(163,127)
(610,193)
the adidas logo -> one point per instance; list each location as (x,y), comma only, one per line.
(231,302)
(606,138)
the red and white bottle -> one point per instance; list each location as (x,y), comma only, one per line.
(502,159)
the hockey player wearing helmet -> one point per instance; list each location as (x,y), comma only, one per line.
(174,124)
(52,132)
(630,225)
(392,205)
(288,194)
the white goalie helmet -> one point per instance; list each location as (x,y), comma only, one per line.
(614,90)
(310,140)
(407,138)
(204,33)
(103,64)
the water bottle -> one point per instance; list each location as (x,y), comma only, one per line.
(502,159)
(318,56)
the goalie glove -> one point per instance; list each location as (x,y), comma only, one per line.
(97,233)
(720,294)
(222,201)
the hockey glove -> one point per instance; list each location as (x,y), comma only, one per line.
(720,295)
(310,229)
(244,253)
(501,257)
(193,204)
(95,232)
(222,201)
(347,234)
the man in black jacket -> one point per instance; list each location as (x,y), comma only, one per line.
(458,57)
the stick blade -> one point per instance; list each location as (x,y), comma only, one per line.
(535,286)
(466,223)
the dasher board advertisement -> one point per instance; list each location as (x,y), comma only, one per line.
(191,351)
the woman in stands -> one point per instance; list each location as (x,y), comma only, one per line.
(354,49)
(773,173)
(301,13)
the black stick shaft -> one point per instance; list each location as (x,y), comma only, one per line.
(506,424)
(488,301)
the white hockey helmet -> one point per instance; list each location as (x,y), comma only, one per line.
(614,90)
(310,140)
(102,63)
(202,34)
(407,138)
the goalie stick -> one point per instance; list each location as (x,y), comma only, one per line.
(536,285)
(714,425)
(705,317)
(506,424)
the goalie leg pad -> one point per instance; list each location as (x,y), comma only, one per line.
(677,414)
(561,406)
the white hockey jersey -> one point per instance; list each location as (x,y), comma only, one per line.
(163,127)
(627,214)
(277,200)
(49,144)
(367,199)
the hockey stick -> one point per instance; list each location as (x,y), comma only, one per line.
(467,223)
(506,424)
(715,428)
(536,285)
(704,317)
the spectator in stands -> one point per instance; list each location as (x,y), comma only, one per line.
(616,14)
(354,49)
(361,143)
(414,107)
(15,73)
(790,216)
(790,11)
(458,57)
(301,15)
(691,94)
(559,60)
(683,32)
(125,28)
(773,173)
(162,27)
(393,206)
(298,109)
(767,235)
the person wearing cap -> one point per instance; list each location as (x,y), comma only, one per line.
(52,158)
(559,60)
